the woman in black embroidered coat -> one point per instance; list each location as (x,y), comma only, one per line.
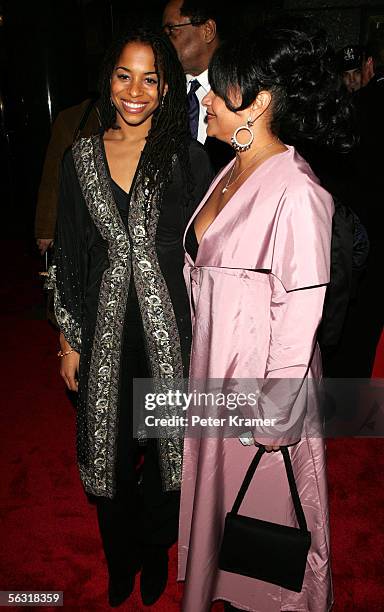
(120,298)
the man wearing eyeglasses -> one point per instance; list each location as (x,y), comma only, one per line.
(192,26)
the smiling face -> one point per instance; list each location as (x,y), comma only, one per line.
(135,85)
(222,122)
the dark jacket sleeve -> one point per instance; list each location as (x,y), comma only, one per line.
(349,252)
(68,272)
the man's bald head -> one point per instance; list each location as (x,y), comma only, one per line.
(196,35)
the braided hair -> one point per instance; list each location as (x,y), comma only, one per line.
(169,134)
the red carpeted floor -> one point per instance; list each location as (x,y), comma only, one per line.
(49,536)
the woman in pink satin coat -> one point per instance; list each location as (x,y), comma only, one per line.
(257,268)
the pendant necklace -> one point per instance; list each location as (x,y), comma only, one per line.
(254,158)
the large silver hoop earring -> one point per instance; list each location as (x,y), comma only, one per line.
(238,146)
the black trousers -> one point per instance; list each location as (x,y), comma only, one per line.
(141,517)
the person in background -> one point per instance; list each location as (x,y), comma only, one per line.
(373,60)
(369,101)
(257,268)
(196,29)
(72,123)
(368,187)
(350,61)
(120,299)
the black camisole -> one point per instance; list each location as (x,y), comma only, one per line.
(191,244)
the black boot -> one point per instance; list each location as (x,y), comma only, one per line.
(119,589)
(154,575)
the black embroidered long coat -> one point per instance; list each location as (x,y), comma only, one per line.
(97,255)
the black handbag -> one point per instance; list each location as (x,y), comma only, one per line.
(267,551)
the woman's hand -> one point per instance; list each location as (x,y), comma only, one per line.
(69,366)
(274,447)
(43,244)
(269,448)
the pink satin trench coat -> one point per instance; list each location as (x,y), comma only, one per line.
(257,290)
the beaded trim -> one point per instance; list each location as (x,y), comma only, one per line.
(161,331)
(102,395)
(70,328)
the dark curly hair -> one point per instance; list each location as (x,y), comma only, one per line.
(169,133)
(299,70)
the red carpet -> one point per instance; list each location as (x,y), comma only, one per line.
(49,538)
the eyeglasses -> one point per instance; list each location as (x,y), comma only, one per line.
(168,28)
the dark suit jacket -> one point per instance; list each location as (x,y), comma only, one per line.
(369,101)
(369,170)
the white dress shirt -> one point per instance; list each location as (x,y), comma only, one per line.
(200,93)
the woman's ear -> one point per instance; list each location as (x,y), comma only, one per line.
(165,89)
(260,105)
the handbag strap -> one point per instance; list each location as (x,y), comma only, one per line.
(291,480)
